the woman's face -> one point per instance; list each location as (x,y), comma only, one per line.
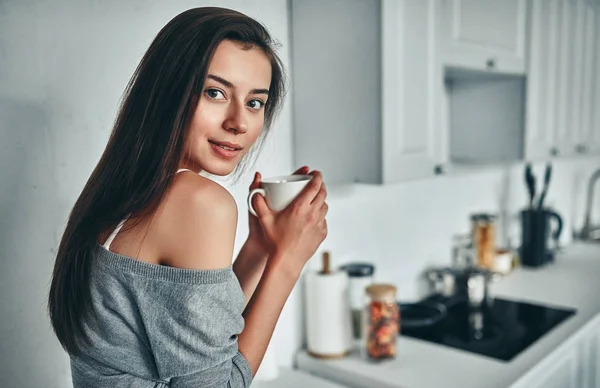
(230,113)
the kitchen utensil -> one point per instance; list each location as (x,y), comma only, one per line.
(421,315)
(361,276)
(328,317)
(477,288)
(462,251)
(535,230)
(530,181)
(503,262)
(442,281)
(470,283)
(547,176)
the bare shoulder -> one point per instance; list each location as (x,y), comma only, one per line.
(197,224)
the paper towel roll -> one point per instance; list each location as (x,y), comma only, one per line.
(328,316)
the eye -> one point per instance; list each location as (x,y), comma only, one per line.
(215,94)
(256,104)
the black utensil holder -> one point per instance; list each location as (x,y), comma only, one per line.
(535,230)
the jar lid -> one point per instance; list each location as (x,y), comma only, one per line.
(483,217)
(358,270)
(381,290)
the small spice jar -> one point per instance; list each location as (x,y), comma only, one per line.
(484,239)
(382,322)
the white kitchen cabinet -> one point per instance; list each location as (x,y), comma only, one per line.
(576,364)
(563,87)
(484,34)
(595,370)
(570,76)
(412,84)
(366,89)
(542,82)
(558,371)
(595,366)
(589,131)
(384,91)
(561,372)
(590,352)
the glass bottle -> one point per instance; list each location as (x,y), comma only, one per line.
(484,239)
(382,322)
(361,276)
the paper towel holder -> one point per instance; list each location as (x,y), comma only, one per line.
(326,269)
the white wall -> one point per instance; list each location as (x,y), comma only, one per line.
(63,66)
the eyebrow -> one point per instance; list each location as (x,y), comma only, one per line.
(230,85)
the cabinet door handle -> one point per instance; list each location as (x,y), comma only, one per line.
(439,169)
(581,148)
(490,63)
(554,151)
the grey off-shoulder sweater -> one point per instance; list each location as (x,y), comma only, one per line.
(160,326)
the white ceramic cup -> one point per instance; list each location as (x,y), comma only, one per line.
(279,191)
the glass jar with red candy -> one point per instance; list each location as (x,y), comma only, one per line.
(382,322)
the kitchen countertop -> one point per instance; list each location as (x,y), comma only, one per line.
(290,378)
(572,281)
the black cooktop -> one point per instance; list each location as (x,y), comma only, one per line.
(501,330)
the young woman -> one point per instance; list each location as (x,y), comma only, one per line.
(144,293)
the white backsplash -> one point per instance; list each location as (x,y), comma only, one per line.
(405,227)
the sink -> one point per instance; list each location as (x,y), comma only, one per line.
(590,232)
(592,235)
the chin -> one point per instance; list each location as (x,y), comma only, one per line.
(219,171)
(219,168)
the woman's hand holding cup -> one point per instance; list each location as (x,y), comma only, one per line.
(298,227)
(256,236)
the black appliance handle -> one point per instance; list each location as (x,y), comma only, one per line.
(559,222)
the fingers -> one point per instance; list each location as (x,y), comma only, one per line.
(323,223)
(301,171)
(324,209)
(260,206)
(323,228)
(256,181)
(319,199)
(311,190)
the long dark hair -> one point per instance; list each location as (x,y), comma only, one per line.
(145,148)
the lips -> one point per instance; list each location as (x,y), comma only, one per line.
(225,150)
(226,145)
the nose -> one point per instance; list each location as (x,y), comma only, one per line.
(236,118)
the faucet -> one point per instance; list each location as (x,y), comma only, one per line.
(589,231)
